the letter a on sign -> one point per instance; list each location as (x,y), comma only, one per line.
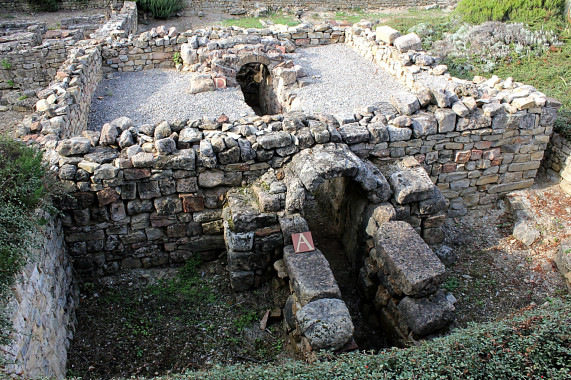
(303,242)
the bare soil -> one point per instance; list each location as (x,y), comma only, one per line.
(495,274)
(161,321)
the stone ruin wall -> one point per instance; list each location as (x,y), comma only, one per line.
(158,203)
(474,150)
(24,5)
(28,60)
(229,5)
(43,310)
(558,160)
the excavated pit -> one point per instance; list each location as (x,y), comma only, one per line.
(255,82)
(333,214)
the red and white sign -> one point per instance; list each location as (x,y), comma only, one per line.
(303,242)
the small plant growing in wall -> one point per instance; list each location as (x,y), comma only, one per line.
(177,59)
(6,65)
(22,189)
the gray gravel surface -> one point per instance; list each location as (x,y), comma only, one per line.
(343,80)
(152,96)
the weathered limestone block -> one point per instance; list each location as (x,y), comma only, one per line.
(326,323)
(399,133)
(446,119)
(243,214)
(354,133)
(411,185)
(201,83)
(408,42)
(426,315)
(238,241)
(423,124)
(408,260)
(405,103)
(434,204)
(314,166)
(563,260)
(109,134)
(74,146)
(310,275)
(387,34)
(275,140)
(247,261)
(292,224)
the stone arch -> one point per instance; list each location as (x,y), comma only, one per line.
(351,187)
(310,168)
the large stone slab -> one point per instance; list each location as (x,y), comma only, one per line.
(310,275)
(407,259)
(322,162)
(426,315)
(326,323)
(243,213)
(411,185)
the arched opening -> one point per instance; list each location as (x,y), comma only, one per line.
(255,80)
(334,213)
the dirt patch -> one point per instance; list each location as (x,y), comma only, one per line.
(161,321)
(495,274)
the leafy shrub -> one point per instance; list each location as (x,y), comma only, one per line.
(486,45)
(160,8)
(478,11)
(534,344)
(45,5)
(22,189)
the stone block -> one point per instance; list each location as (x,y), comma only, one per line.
(168,205)
(107,196)
(354,133)
(398,133)
(411,185)
(242,280)
(408,42)
(563,260)
(387,34)
(310,275)
(192,203)
(426,315)
(247,261)
(273,140)
(326,323)
(74,146)
(408,260)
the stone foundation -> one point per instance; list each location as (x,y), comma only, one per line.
(558,160)
(43,310)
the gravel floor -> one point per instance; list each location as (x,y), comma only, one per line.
(343,81)
(152,96)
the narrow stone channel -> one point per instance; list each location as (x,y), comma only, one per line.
(327,232)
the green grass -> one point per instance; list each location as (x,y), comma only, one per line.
(403,22)
(255,22)
(533,343)
(358,15)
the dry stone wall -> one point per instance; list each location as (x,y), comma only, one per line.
(31,55)
(558,160)
(43,310)
(236,5)
(478,139)
(24,5)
